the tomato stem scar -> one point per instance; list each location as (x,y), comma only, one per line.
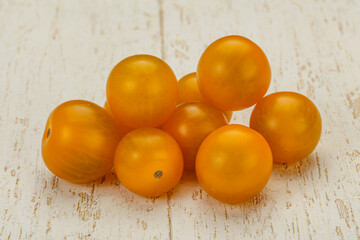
(158,174)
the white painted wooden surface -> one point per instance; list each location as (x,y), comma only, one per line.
(54,51)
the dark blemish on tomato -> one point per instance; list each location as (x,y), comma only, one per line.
(48,133)
(158,174)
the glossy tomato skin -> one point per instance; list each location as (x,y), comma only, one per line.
(189,92)
(233,73)
(148,161)
(123,130)
(142,91)
(234,163)
(291,124)
(79,141)
(190,124)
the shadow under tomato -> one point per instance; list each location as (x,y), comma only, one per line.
(296,169)
(90,187)
(189,188)
(281,172)
(108,179)
(188,176)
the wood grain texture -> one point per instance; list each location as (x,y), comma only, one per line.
(54,51)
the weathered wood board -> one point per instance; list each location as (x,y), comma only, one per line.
(54,51)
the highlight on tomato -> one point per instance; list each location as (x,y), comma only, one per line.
(190,124)
(234,163)
(142,91)
(149,162)
(233,73)
(291,124)
(79,141)
(189,92)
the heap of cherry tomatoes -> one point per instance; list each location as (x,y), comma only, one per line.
(152,126)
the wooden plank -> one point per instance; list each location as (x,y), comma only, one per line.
(51,52)
(312,50)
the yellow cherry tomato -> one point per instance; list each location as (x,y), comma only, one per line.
(190,124)
(148,161)
(291,124)
(189,92)
(234,163)
(79,141)
(123,130)
(233,73)
(142,91)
